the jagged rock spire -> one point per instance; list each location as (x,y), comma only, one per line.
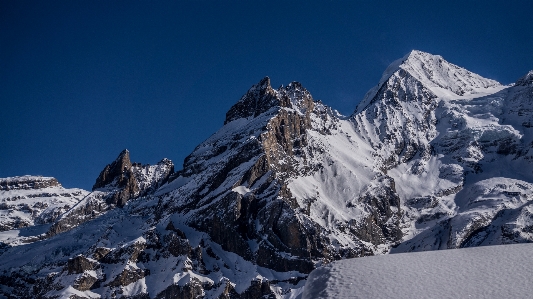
(259,99)
(119,176)
(114,172)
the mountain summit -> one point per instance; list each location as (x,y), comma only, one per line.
(435,72)
(434,157)
(442,78)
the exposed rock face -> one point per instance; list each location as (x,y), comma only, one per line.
(527,80)
(177,245)
(189,291)
(30,202)
(126,253)
(85,282)
(150,177)
(118,176)
(126,180)
(258,100)
(118,182)
(382,225)
(78,265)
(100,252)
(269,215)
(286,134)
(128,276)
(258,289)
(27,183)
(115,174)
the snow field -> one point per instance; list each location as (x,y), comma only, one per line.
(483,272)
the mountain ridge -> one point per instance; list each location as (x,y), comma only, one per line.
(431,159)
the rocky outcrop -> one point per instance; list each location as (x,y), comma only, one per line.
(100,252)
(191,290)
(526,80)
(150,177)
(125,180)
(128,276)
(27,183)
(30,201)
(79,264)
(122,255)
(118,178)
(85,282)
(258,100)
(118,183)
(115,174)
(382,225)
(258,289)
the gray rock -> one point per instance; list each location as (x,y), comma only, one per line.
(79,264)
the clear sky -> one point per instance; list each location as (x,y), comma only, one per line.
(82,80)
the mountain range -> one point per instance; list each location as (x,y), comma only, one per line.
(434,157)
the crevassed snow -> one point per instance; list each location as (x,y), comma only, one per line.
(482,272)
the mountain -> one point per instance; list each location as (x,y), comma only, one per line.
(434,157)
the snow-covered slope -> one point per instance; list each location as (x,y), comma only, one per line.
(435,157)
(483,273)
(30,204)
(470,185)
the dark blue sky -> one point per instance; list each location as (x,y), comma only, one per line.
(82,80)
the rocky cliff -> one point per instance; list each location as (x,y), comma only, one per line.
(30,204)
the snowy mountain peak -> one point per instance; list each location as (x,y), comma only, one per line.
(420,55)
(435,72)
(264,83)
(438,76)
(259,99)
(525,80)
(300,98)
(413,58)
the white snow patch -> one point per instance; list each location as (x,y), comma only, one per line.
(241,190)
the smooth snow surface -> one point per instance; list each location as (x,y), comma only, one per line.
(483,272)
